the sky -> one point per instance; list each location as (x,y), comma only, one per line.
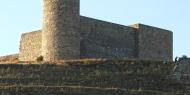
(21,16)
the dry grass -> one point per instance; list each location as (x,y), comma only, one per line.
(10,59)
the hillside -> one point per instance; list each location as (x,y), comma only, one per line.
(106,77)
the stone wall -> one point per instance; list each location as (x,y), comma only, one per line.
(99,39)
(30,46)
(102,39)
(154,43)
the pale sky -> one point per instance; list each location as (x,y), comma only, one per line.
(20,16)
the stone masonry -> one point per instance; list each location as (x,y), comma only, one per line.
(60,35)
(68,36)
(154,43)
(30,46)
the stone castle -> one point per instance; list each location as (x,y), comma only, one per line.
(68,36)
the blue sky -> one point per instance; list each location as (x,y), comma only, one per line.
(19,16)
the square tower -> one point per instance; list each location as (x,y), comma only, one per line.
(154,43)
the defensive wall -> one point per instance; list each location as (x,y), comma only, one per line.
(100,39)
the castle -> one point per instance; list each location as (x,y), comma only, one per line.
(66,36)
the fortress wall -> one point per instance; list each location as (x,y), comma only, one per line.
(154,43)
(30,46)
(101,39)
(106,40)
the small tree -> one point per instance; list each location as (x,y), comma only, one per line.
(183,57)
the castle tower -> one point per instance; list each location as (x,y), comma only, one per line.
(60,34)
